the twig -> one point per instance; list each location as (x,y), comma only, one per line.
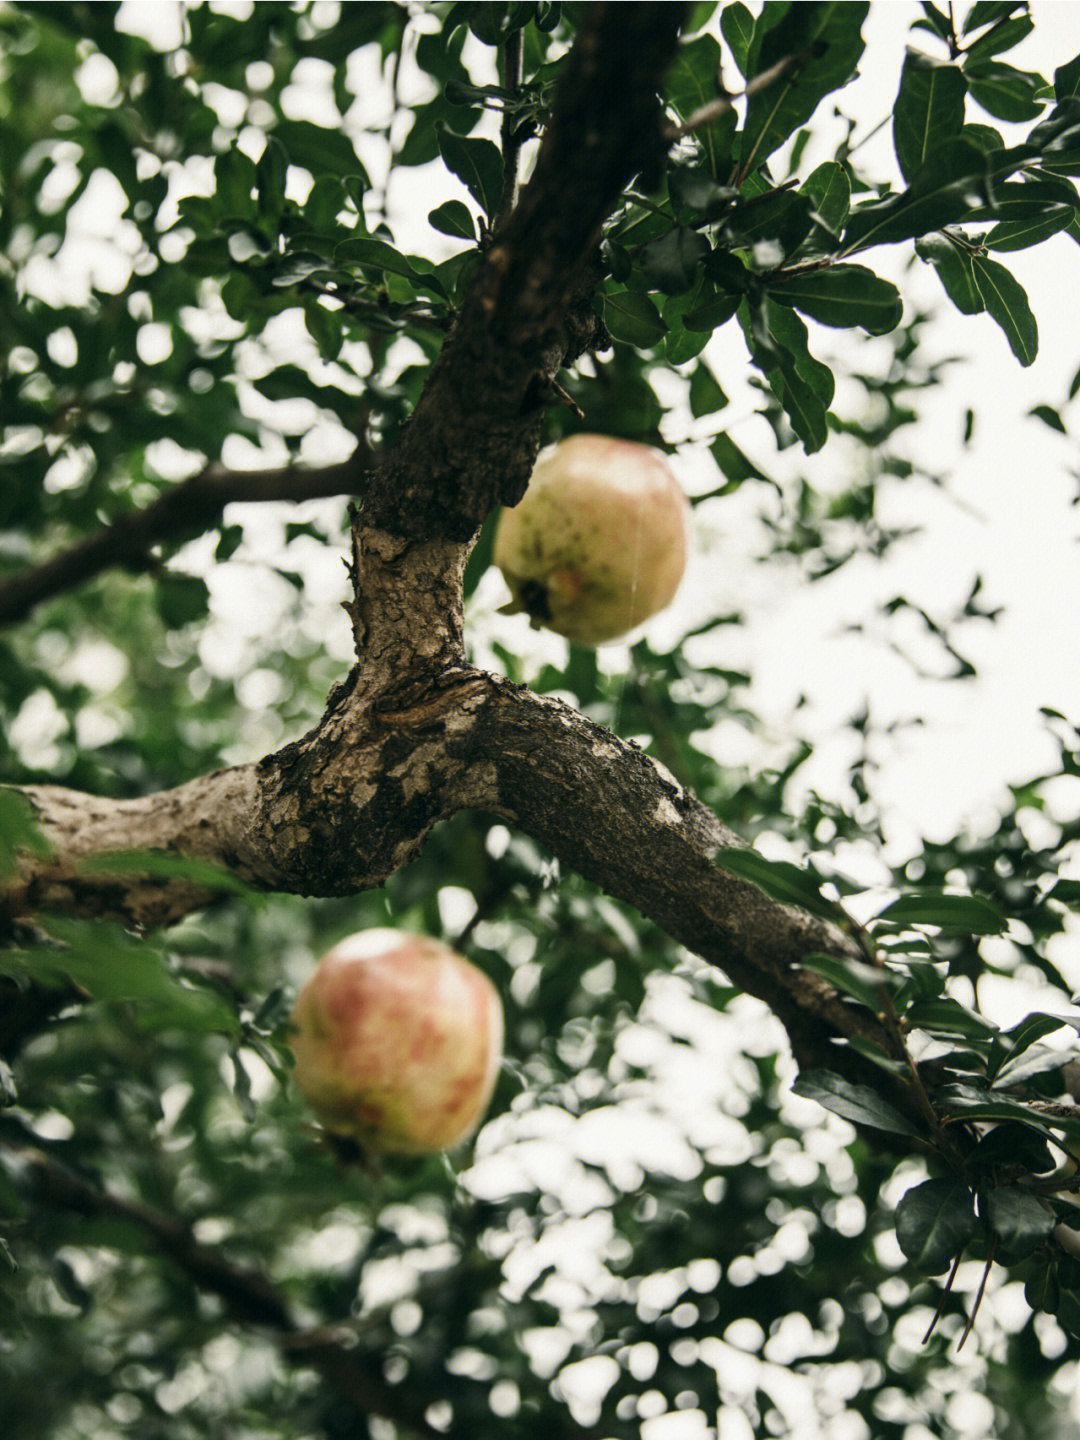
(510,132)
(190,508)
(706,114)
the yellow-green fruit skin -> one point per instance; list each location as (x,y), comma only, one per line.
(397,1041)
(599,541)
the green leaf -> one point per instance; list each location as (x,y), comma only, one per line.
(1009,1145)
(856,1103)
(953,266)
(706,395)
(633,318)
(320,149)
(1020,234)
(948,184)
(965,913)
(681,343)
(1002,37)
(842,296)
(477,163)
(672,262)
(829,35)
(180,599)
(737,28)
(693,81)
(270,181)
(946,1016)
(234,185)
(734,464)
(325,328)
(829,188)
(1049,416)
(934,1222)
(929,109)
(989,12)
(968,1102)
(1004,91)
(780,879)
(1012,1043)
(1007,303)
(453,218)
(1018,1219)
(862,981)
(1067,80)
(18,830)
(112,965)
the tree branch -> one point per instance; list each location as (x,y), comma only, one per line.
(472,440)
(188,509)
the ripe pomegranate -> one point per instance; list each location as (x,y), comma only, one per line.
(397,1042)
(599,541)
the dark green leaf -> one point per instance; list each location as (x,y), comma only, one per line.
(270,181)
(970,1103)
(1067,80)
(864,982)
(989,12)
(325,328)
(1008,1145)
(734,465)
(633,318)
(180,599)
(934,1222)
(737,28)
(1007,303)
(1049,416)
(713,313)
(842,296)
(946,1016)
(1001,37)
(856,1103)
(829,189)
(234,185)
(966,913)
(320,149)
(1018,1220)
(952,262)
(949,183)
(672,262)
(706,395)
(829,36)
(453,218)
(1020,234)
(1004,91)
(693,81)
(929,109)
(477,163)
(780,880)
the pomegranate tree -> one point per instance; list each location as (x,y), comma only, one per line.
(600,540)
(398,1041)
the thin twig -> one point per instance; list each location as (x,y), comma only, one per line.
(190,508)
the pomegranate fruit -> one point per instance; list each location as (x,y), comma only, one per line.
(398,1041)
(599,541)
